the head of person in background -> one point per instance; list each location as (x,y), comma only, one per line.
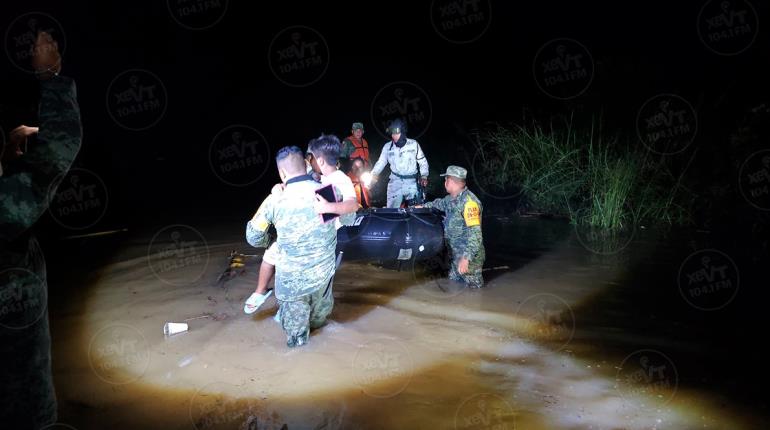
(397,131)
(357,130)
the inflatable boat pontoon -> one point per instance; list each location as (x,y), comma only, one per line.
(393,234)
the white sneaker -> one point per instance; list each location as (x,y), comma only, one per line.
(277,317)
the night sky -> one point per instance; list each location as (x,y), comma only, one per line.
(217,68)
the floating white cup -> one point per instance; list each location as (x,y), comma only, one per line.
(174,328)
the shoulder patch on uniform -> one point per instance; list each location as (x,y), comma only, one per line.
(471,213)
(262,224)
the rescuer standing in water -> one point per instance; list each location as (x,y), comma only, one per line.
(462,228)
(305,262)
(408,167)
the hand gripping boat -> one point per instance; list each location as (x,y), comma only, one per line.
(393,234)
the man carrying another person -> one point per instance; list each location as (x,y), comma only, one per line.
(325,152)
(305,248)
(405,156)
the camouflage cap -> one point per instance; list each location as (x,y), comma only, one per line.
(357,126)
(456,171)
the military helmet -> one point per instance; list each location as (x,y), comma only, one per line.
(396,126)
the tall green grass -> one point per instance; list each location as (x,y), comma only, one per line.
(578,174)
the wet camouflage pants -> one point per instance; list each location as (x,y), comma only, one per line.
(298,317)
(472,277)
(27,398)
(400,189)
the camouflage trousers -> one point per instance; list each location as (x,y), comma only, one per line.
(27,397)
(399,190)
(308,312)
(473,277)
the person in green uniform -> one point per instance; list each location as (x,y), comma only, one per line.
(462,228)
(28,179)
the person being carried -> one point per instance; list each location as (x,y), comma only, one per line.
(305,263)
(462,228)
(325,152)
(405,157)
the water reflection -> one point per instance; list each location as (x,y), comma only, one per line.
(549,343)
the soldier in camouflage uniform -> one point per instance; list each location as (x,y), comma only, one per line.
(462,228)
(353,147)
(306,245)
(405,156)
(28,399)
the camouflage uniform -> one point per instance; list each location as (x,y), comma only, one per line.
(28,399)
(306,263)
(404,164)
(462,231)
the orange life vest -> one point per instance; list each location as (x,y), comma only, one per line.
(361,149)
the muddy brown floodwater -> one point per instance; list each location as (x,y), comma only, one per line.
(402,349)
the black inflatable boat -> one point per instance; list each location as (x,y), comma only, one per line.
(393,234)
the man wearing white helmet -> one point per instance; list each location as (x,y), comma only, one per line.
(408,165)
